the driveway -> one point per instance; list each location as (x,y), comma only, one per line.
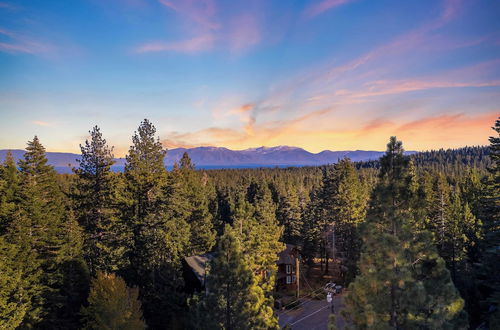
(312,315)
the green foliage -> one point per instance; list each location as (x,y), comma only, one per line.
(195,192)
(12,305)
(403,283)
(161,234)
(234,300)
(259,233)
(9,184)
(342,208)
(489,274)
(430,215)
(112,305)
(105,235)
(289,215)
(145,173)
(48,239)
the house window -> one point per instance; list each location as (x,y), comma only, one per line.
(288,279)
(288,269)
(294,279)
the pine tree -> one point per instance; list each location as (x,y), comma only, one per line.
(41,203)
(160,233)
(13,305)
(489,275)
(260,234)
(235,300)
(289,215)
(75,277)
(43,229)
(342,208)
(112,305)
(9,183)
(196,192)
(462,233)
(403,283)
(28,263)
(311,237)
(145,172)
(105,236)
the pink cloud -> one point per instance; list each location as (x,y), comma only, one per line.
(202,12)
(41,123)
(243,32)
(194,45)
(22,44)
(205,29)
(322,6)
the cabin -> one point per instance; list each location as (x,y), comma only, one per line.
(286,277)
(194,270)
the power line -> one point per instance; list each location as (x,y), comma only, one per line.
(298,306)
(307,295)
(305,317)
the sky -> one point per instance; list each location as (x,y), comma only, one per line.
(326,74)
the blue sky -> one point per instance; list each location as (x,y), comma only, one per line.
(327,74)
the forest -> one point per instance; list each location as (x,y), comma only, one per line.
(418,238)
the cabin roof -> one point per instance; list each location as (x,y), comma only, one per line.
(287,256)
(199,264)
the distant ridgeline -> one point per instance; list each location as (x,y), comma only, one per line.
(211,158)
(449,160)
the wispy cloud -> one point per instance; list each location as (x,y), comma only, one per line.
(41,123)
(425,132)
(205,29)
(194,45)
(202,12)
(243,32)
(320,7)
(19,43)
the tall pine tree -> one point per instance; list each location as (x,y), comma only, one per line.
(160,238)
(489,272)
(105,236)
(342,208)
(403,283)
(41,228)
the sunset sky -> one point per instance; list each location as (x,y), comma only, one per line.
(327,74)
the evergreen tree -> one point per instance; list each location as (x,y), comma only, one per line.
(13,305)
(342,207)
(9,182)
(160,233)
(28,263)
(403,283)
(235,300)
(462,233)
(289,215)
(489,275)
(40,229)
(260,234)
(105,236)
(112,305)
(196,192)
(145,173)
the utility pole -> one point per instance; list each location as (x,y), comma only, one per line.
(333,243)
(297,274)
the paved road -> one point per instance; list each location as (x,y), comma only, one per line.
(312,315)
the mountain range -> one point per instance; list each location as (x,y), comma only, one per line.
(218,157)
